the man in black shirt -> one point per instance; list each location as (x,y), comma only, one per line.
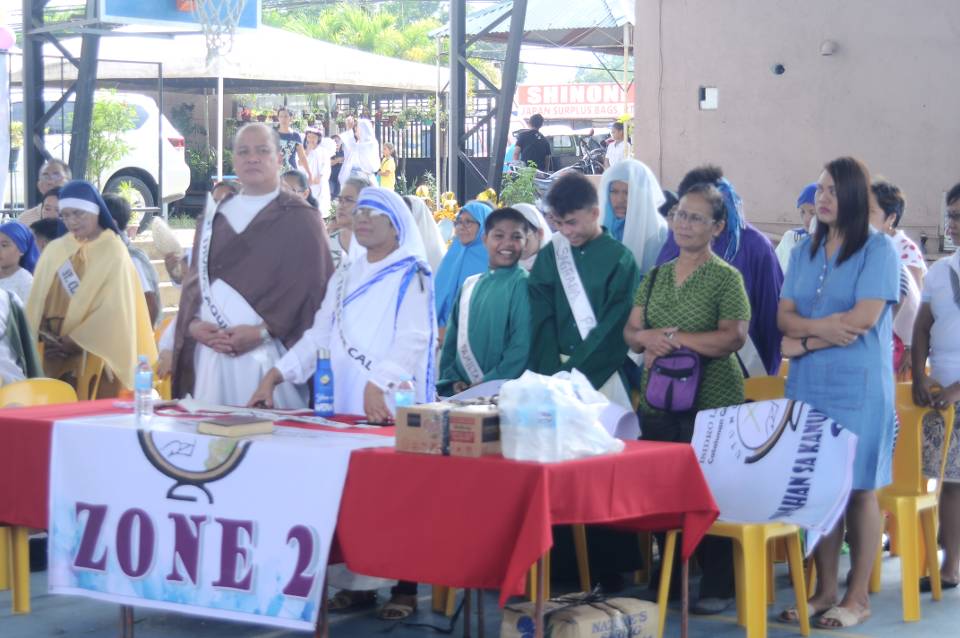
(532,146)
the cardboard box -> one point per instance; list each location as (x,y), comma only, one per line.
(474,430)
(612,618)
(449,429)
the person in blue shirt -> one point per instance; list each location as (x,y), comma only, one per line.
(836,316)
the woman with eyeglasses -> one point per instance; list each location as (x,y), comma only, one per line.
(696,301)
(86,302)
(466,256)
(935,335)
(836,315)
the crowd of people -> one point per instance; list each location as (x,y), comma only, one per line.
(609,282)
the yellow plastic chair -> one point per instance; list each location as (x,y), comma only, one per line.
(89,382)
(763,388)
(36,392)
(14,541)
(911,508)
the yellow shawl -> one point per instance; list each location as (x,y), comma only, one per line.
(108,314)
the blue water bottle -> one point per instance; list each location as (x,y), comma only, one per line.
(323,385)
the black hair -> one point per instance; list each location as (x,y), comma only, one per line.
(536,120)
(302,185)
(890,198)
(706,174)
(617,126)
(234,188)
(48,228)
(504,214)
(119,209)
(272,133)
(55,192)
(851,180)
(571,192)
(284,107)
(953,194)
(712,195)
(670,200)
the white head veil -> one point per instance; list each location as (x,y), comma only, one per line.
(644,229)
(429,231)
(535,218)
(392,205)
(367,151)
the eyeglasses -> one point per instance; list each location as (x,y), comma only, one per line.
(953,216)
(465,223)
(67,215)
(694,219)
(52,177)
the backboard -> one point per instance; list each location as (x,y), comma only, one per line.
(167,13)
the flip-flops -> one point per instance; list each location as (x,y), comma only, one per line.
(925,585)
(841,618)
(792,614)
(345,600)
(399,607)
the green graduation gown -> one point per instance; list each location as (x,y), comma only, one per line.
(610,277)
(499,329)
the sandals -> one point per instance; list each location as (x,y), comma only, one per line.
(792,614)
(346,600)
(399,607)
(926,587)
(841,618)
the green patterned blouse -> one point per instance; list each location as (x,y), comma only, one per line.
(713,292)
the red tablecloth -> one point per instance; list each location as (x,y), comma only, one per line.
(25,435)
(481,523)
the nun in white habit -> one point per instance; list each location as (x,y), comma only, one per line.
(363,160)
(630,197)
(433,242)
(377,318)
(540,229)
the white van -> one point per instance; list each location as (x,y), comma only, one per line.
(138,169)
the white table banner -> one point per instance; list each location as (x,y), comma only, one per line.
(171,519)
(778,460)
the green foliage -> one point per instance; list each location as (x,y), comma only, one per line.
(181,116)
(112,118)
(518,187)
(127,191)
(377,30)
(16,134)
(612,62)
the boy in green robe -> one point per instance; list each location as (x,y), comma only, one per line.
(581,288)
(488,334)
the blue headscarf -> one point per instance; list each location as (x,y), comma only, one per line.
(84,196)
(460,262)
(26,244)
(735,221)
(807,195)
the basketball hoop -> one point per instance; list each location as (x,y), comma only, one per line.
(218,19)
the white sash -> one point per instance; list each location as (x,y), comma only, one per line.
(469,361)
(750,359)
(203,268)
(68,277)
(582,311)
(573,287)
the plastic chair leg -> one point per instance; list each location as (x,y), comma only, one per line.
(928,521)
(739,577)
(907,525)
(753,564)
(795,560)
(810,574)
(642,575)
(532,580)
(666,571)
(438,598)
(776,546)
(877,571)
(21,570)
(583,561)
(5,553)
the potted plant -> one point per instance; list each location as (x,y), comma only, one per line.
(16,143)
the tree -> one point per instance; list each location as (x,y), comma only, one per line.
(111,118)
(596,73)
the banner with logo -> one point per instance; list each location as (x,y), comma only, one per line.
(595,100)
(238,529)
(778,460)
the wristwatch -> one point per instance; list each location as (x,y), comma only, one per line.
(803,344)
(264,334)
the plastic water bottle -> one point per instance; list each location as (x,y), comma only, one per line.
(143,391)
(323,385)
(545,426)
(405,394)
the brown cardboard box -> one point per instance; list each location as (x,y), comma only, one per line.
(448,429)
(612,618)
(424,428)
(474,430)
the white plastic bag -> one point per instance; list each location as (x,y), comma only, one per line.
(549,419)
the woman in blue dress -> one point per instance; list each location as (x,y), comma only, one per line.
(836,315)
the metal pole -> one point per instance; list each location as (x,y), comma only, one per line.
(160,203)
(458,97)
(32,99)
(83,108)
(508,86)
(626,51)
(219,120)
(436,132)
